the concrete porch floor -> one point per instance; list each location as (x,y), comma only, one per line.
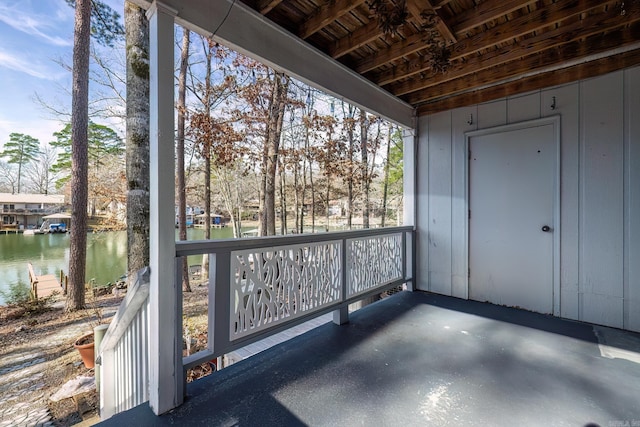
(419,359)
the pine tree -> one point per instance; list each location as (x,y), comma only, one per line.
(105,28)
(20,150)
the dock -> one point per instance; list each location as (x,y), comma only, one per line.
(45,285)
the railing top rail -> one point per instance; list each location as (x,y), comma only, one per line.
(195,247)
(127,311)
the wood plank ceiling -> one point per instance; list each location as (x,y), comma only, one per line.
(443,54)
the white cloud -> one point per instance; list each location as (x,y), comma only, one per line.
(13,62)
(20,19)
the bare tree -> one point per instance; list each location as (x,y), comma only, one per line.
(182,111)
(350,124)
(271,149)
(8,178)
(41,178)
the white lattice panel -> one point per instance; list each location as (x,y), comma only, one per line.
(272,284)
(373,261)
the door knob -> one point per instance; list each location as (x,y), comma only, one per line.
(546,228)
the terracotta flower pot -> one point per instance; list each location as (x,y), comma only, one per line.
(85,347)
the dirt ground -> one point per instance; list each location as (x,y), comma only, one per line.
(20,330)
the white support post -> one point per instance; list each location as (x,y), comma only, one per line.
(165,361)
(341,315)
(410,153)
(107,386)
(410,199)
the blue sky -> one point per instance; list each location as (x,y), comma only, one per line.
(34,34)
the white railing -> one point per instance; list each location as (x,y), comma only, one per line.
(261,286)
(258,287)
(124,352)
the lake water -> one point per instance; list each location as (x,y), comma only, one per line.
(49,253)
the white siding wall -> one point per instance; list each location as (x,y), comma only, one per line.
(600,194)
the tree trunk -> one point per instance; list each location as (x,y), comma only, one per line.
(296,195)
(385,188)
(79,155)
(350,124)
(137,149)
(207,162)
(283,201)
(20,172)
(326,227)
(365,169)
(182,195)
(274,129)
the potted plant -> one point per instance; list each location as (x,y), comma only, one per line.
(85,344)
(86,348)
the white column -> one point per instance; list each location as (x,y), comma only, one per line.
(165,358)
(410,152)
(410,189)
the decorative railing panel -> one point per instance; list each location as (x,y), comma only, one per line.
(373,261)
(270,285)
(261,286)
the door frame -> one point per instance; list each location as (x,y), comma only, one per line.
(545,121)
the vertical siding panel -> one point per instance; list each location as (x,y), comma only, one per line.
(632,196)
(459,208)
(601,202)
(566,102)
(440,203)
(492,114)
(524,107)
(422,201)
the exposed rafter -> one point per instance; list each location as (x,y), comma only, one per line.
(443,49)
(355,40)
(418,7)
(539,81)
(265,6)
(326,14)
(527,24)
(545,42)
(485,12)
(569,53)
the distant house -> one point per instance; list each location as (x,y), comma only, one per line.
(23,211)
(191,214)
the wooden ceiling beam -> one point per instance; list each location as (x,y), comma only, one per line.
(355,40)
(536,20)
(325,15)
(405,47)
(371,31)
(589,26)
(266,6)
(439,3)
(489,10)
(568,53)
(486,12)
(540,81)
(417,7)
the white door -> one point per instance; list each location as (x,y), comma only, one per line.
(512,191)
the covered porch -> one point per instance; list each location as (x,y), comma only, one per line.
(417,357)
(423,359)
